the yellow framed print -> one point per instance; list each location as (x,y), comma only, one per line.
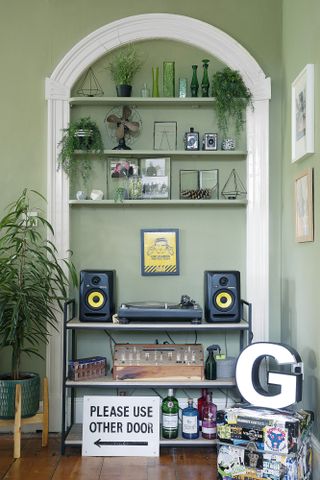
(160,251)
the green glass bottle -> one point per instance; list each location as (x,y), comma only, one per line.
(170,416)
(155,81)
(205,84)
(194,85)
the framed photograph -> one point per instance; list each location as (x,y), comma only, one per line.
(209,179)
(160,251)
(155,175)
(302,114)
(304,206)
(199,184)
(165,136)
(119,171)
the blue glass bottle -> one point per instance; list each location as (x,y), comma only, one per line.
(190,421)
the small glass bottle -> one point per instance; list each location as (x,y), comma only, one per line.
(170,416)
(145,91)
(201,401)
(190,421)
(205,84)
(209,420)
(194,85)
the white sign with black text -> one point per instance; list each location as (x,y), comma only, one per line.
(120,426)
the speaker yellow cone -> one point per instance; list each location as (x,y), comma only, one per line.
(224,300)
(95,299)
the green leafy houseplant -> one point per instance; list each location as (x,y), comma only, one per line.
(124,65)
(83,135)
(33,284)
(232,97)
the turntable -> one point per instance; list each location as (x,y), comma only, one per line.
(185,310)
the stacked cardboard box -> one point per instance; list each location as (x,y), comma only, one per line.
(258,443)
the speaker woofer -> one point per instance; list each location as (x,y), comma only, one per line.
(96,299)
(224,300)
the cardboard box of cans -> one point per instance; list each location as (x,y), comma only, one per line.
(260,443)
(85,368)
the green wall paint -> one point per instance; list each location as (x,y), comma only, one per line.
(35,39)
(300,293)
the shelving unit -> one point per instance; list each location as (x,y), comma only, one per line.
(71,432)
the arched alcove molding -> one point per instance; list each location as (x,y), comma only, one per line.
(225,48)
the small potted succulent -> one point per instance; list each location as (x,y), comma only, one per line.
(232,97)
(123,67)
(33,287)
(81,135)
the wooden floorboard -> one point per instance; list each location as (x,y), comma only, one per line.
(37,463)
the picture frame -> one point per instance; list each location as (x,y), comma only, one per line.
(119,170)
(155,176)
(199,184)
(160,251)
(304,206)
(302,113)
(165,136)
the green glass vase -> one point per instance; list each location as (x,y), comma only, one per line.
(194,85)
(155,81)
(205,84)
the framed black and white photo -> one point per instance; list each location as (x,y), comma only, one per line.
(302,114)
(165,136)
(155,175)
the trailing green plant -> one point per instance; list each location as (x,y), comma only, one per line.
(33,281)
(232,97)
(124,65)
(83,135)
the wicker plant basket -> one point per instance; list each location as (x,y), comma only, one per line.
(30,395)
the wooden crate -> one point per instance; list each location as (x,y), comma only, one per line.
(152,361)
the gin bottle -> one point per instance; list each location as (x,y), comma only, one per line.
(190,421)
(209,420)
(170,416)
(201,401)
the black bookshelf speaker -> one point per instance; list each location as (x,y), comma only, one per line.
(97,290)
(222,296)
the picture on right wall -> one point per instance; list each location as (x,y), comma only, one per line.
(304,206)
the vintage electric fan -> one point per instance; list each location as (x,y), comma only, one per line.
(123,124)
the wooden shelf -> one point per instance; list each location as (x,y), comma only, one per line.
(109,382)
(156,326)
(146,101)
(160,203)
(169,153)
(74,438)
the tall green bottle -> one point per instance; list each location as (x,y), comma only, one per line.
(170,416)
(194,85)
(205,84)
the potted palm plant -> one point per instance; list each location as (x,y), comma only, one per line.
(83,135)
(232,97)
(123,67)
(33,287)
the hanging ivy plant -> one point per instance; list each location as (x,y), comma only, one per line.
(83,135)
(232,97)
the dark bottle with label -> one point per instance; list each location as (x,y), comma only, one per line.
(209,421)
(190,421)
(201,401)
(170,416)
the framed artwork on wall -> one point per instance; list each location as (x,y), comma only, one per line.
(302,113)
(165,136)
(304,206)
(160,251)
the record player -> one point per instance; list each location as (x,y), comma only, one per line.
(185,310)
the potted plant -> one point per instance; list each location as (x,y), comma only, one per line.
(123,67)
(83,135)
(232,97)
(33,287)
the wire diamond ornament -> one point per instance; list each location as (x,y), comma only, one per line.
(90,87)
(234,187)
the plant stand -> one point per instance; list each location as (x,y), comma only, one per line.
(17,421)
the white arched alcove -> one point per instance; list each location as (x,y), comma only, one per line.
(225,48)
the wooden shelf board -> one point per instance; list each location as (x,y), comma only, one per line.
(75,438)
(157,326)
(168,153)
(160,203)
(108,381)
(166,101)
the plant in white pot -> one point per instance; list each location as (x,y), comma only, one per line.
(33,287)
(123,66)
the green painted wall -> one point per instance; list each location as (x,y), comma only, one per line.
(34,36)
(300,295)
